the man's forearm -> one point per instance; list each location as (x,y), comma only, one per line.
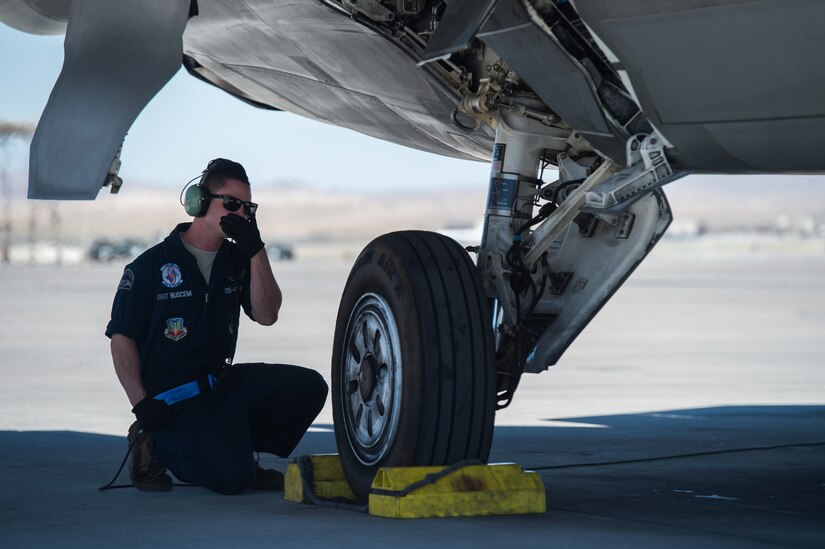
(264,292)
(127,367)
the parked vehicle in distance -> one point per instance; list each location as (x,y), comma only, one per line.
(104,250)
(280,252)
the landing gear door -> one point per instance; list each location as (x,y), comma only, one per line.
(596,257)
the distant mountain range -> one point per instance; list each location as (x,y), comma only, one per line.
(301,211)
(747,200)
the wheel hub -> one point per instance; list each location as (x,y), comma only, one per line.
(367,377)
(371,380)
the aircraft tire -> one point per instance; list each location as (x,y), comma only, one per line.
(413,375)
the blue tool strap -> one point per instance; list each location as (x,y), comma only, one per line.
(187,390)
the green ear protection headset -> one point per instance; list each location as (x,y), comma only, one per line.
(196,200)
(197,197)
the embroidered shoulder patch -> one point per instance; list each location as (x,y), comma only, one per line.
(127,281)
(175,330)
(170,275)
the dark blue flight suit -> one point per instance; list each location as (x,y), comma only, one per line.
(184,333)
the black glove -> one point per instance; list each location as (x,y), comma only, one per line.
(152,415)
(245,233)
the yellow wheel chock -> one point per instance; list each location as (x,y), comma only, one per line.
(419,492)
(328,481)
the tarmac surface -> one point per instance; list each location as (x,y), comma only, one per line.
(690,412)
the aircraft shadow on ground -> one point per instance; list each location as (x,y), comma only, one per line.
(566,443)
(661,435)
(753,472)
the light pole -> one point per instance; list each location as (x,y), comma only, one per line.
(8,132)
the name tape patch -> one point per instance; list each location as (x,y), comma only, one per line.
(174,295)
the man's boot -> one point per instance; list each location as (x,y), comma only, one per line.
(145,472)
(267,479)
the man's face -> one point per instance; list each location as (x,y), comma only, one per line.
(230,187)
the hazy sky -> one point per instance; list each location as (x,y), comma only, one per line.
(190,122)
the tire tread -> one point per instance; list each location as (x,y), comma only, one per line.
(444,302)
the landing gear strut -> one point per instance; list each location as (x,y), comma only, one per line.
(418,366)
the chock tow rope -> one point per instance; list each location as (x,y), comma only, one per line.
(428,479)
(305,469)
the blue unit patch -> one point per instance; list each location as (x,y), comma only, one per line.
(170,275)
(175,330)
(127,281)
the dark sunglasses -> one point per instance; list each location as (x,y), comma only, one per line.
(232,204)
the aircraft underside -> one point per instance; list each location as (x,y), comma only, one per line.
(620,97)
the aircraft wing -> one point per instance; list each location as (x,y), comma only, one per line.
(733,86)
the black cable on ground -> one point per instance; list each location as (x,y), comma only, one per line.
(112,486)
(678,456)
(175,484)
(120,469)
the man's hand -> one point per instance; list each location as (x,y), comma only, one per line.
(152,415)
(245,233)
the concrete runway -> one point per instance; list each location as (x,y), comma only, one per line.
(691,411)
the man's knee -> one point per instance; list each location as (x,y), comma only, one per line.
(317,389)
